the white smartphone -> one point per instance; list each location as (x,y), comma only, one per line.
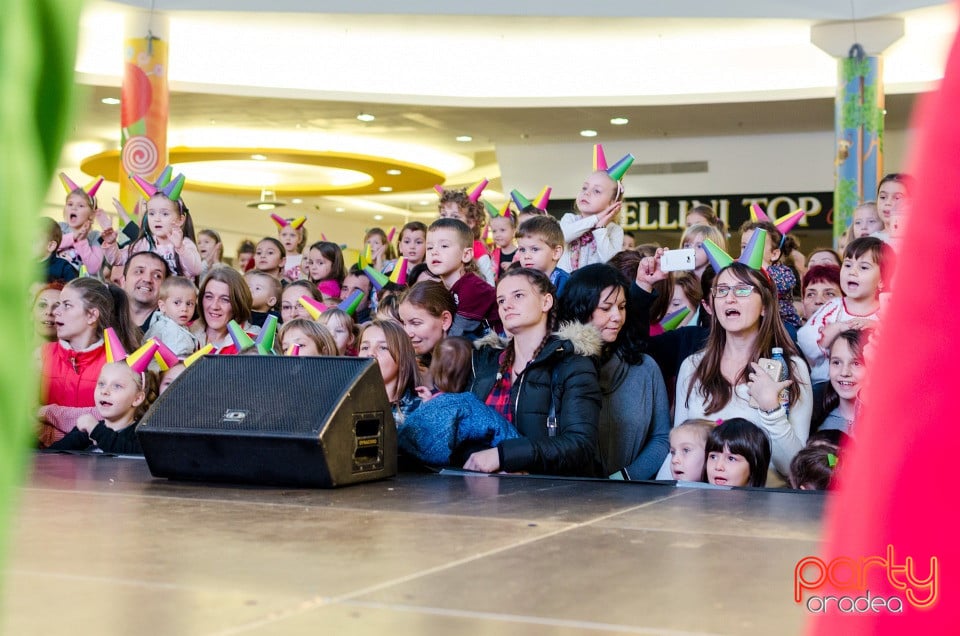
(679,260)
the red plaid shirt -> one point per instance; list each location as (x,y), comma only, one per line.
(499,398)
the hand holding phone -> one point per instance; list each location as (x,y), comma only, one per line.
(771,368)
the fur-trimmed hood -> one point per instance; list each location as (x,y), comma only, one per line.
(585,339)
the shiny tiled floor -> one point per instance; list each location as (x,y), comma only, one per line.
(101,547)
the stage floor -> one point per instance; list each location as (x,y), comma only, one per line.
(100,547)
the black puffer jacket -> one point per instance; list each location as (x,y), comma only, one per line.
(564,375)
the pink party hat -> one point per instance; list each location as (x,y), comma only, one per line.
(617,170)
(93,186)
(752,255)
(757,214)
(391,234)
(196,355)
(789,220)
(672,320)
(292,350)
(329,288)
(68,183)
(543,199)
(140,359)
(324,237)
(114,348)
(146,188)
(475,192)
(241,339)
(279,220)
(313,307)
(71,187)
(377,278)
(352,302)
(267,336)
(599,160)
(298,222)
(163,184)
(716,255)
(399,273)
(164,356)
(519,200)
(439,189)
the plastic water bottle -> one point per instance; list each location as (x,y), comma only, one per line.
(777,354)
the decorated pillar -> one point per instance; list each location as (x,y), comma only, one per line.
(144,102)
(859,109)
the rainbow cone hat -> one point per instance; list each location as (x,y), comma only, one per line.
(672,320)
(543,198)
(313,307)
(163,185)
(752,254)
(351,302)
(399,273)
(376,278)
(164,356)
(495,212)
(473,192)
(519,200)
(267,337)
(292,350)
(241,339)
(281,222)
(617,170)
(90,190)
(785,223)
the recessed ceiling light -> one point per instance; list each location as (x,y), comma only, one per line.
(365,117)
(386,189)
(424,202)
(619,121)
(464,138)
(377,217)
(394,172)
(588,133)
(258,157)
(339,210)
(112,101)
(296,200)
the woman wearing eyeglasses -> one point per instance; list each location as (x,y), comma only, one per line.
(725,381)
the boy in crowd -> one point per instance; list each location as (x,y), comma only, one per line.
(540,245)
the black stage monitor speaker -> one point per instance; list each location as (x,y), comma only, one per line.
(274,420)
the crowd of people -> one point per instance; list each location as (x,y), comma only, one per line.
(507,340)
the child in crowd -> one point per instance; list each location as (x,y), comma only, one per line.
(693,238)
(270,257)
(592,234)
(169,376)
(866,220)
(629,241)
(167,229)
(353,281)
(824,256)
(311,338)
(324,264)
(412,243)
(466,207)
(738,454)
(380,248)
(868,265)
(177,305)
(783,277)
(451,422)
(245,253)
(122,395)
(290,306)
(344,330)
(386,341)
(503,227)
(540,247)
(449,250)
(79,244)
(813,467)
(265,290)
(893,191)
(821,284)
(704,215)
(54,268)
(211,250)
(293,236)
(841,397)
(688,443)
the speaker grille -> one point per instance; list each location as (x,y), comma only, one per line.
(287,395)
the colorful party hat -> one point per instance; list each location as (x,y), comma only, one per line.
(365,257)
(391,234)
(752,255)
(672,320)
(313,307)
(241,339)
(617,170)
(789,220)
(83,272)
(293,350)
(716,255)
(267,336)
(474,193)
(90,190)
(377,278)
(164,356)
(140,359)
(196,355)
(399,273)
(279,220)
(163,185)
(298,222)
(114,348)
(439,189)
(352,302)
(543,199)
(599,159)
(519,200)
(757,215)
